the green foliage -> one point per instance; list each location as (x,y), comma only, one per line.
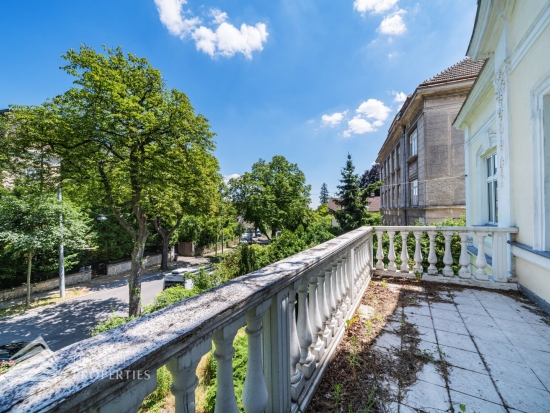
(112,322)
(352,200)
(240,360)
(273,195)
(156,400)
(168,297)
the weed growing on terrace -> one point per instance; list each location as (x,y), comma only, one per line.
(337,394)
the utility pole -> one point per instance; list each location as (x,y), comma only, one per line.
(61,253)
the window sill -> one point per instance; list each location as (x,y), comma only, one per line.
(412,158)
(545,254)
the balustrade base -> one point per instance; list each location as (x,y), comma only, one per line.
(319,349)
(308,368)
(296,388)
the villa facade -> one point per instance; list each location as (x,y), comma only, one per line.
(506,123)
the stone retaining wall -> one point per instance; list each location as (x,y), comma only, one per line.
(123,266)
(80,277)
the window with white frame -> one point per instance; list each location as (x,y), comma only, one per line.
(414,192)
(413,140)
(492,188)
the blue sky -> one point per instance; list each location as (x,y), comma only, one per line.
(307,79)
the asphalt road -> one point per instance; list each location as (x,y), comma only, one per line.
(66,323)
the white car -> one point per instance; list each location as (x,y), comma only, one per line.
(176,277)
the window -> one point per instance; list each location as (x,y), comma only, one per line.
(414,192)
(398,195)
(413,143)
(397,158)
(492,188)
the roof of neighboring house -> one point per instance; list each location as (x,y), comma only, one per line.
(332,205)
(462,70)
(374,203)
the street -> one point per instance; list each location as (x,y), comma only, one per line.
(66,323)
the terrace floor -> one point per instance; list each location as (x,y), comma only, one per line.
(424,347)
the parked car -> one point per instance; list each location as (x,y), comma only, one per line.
(176,277)
(246,238)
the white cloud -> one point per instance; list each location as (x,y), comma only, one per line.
(218,16)
(373,6)
(374,109)
(400,97)
(227,40)
(220,39)
(358,126)
(171,15)
(232,176)
(371,114)
(393,23)
(334,119)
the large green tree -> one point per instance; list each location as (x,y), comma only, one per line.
(352,200)
(30,225)
(272,195)
(123,138)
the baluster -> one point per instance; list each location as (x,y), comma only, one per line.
(296,376)
(350,276)
(324,309)
(448,256)
(255,394)
(223,353)
(184,379)
(341,285)
(464,261)
(432,257)
(379,251)
(346,276)
(329,291)
(481,262)
(317,345)
(336,290)
(391,252)
(129,399)
(417,269)
(404,252)
(307,360)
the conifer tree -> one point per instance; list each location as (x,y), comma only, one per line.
(352,199)
(324,194)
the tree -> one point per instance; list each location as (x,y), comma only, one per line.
(122,137)
(370,177)
(30,225)
(273,195)
(351,199)
(324,194)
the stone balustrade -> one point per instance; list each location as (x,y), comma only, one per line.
(500,255)
(294,312)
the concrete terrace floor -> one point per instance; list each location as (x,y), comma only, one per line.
(496,348)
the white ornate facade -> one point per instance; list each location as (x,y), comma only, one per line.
(506,120)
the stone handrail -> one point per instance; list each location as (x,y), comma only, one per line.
(501,266)
(290,341)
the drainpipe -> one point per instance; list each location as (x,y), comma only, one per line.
(405,180)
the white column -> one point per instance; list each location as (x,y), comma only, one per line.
(448,256)
(464,260)
(184,378)
(223,353)
(296,376)
(341,285)
(325,334)
(315,321)
(329,292)
(255,394)
(307,360)
(391,252)
(336,290)
(404,252)
(500,257)
(347,280)
(417,269)
(351,275)
(379,251)
(481,262)
(432,257)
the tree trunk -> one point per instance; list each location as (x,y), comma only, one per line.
(29,266)
(165,235)
(134,282)
(164,257)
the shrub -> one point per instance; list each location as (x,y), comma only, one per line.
(168,297)
(112,322)
(156,400)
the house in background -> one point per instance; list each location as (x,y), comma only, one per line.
(422,159)
(506,122)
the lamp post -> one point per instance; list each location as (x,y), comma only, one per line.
(61,253)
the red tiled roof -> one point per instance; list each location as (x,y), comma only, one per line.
(374,203)
(464,69)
